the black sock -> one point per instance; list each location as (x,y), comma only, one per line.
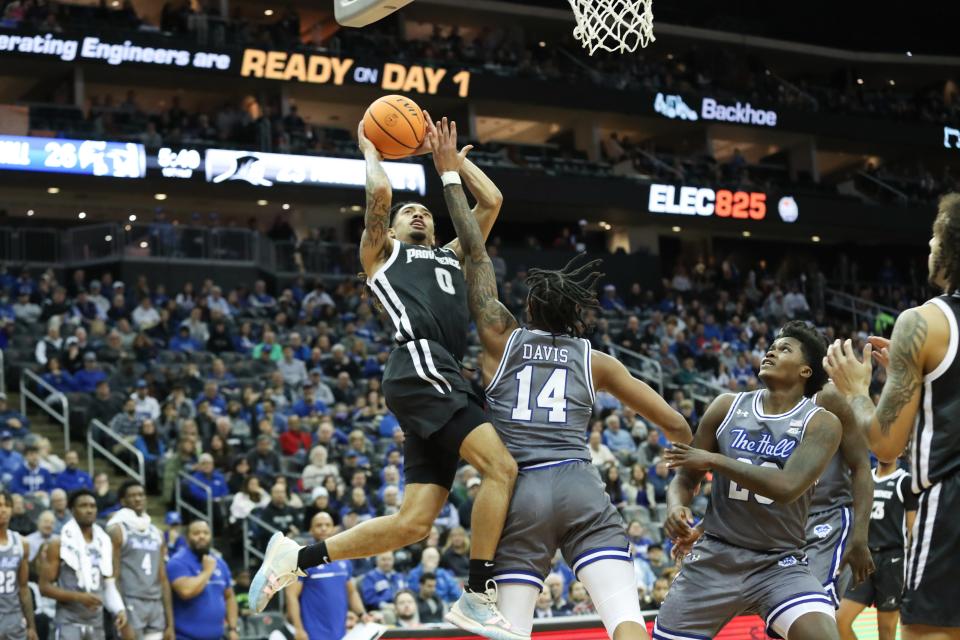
(313,555)
(480,572)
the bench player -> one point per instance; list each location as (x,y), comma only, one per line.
(892,515)
(540,389)
(16,603)
(766,449)
(920,405)
(139,555)
(421,287)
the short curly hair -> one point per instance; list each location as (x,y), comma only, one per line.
(814,347)
(946,226)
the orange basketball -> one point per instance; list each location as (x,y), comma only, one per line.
(395,126)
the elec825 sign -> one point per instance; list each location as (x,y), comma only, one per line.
(722,203)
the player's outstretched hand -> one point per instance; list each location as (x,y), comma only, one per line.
(366,147)
(850,375)
(881,350)
(860,559)
(683,455)
(443,142)
(679,525)
(425,147)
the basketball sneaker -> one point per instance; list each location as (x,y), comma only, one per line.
(478,613)
(278,570)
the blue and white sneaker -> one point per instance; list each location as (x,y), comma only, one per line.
(478,613)
(278,571)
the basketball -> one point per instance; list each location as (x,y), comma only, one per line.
(395,126)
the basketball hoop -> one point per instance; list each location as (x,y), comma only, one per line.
(613,25)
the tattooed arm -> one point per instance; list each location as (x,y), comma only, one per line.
(919,340)
(494,321)
(375,243)
(489,201)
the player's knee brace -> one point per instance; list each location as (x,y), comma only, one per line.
(612,586)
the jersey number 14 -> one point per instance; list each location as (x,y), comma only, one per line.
(552,396)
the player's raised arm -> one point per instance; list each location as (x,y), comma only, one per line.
(375,243)
(489,200)
(910,347)
(610,374)
(494,321)
(785,485)
(680,493)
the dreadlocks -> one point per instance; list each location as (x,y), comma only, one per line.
(557,299)
(947,228)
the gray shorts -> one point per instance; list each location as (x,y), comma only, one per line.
(13,626)
(564,506)
(719,581)
(146,616)
(827,535)
(70,631)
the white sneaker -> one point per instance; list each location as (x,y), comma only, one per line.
(278,571)
(478,613)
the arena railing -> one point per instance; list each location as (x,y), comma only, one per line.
(184,505)
(94,445)
(859,308)
(643,367)
(28,377)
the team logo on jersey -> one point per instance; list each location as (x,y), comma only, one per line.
(789,561)
(822,530)
(796,423)
(793,431)
(743,414)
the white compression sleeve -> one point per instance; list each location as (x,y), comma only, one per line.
(612,586)
(517,602)
(111,597)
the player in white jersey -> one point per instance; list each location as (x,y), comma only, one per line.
(541,390)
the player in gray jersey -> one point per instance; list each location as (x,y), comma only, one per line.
(77,572)
(766,449)
(16,604)
(139,554)
(541,384)
(839,520)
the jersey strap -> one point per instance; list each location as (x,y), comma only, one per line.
(503,360)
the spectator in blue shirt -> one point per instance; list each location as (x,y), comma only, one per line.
(10,460)
(31,477)
(13,421)
(206,474)
(447,586)
(378,587)
(73,478)
(619,440)
(317,604)
(309,404)
(203,597)
(660,477)
(183,342)
(86,379)
(57,378)
(211,394)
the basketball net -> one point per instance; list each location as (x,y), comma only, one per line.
(613,25)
